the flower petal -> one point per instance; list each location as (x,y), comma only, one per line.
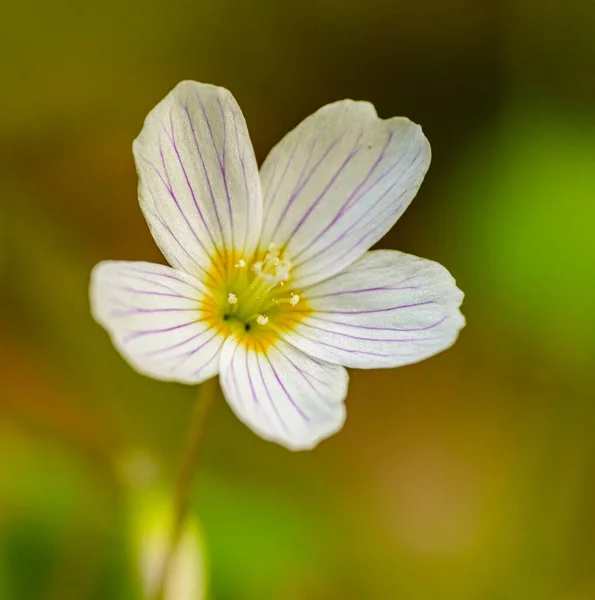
(153,315)
(386,310)
(199,186)
(282,394)
(337,183)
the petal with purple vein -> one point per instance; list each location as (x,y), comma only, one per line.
(282,394)
(386,310)
(199,186)
(337,183)
(153,314)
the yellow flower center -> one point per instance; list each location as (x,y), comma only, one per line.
(252,297)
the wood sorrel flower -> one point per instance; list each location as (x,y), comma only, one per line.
(271,283)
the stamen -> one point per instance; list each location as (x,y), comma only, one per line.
(262,319)
(240,264)
(257,267)
(272,271)
(232,298)
(293,300)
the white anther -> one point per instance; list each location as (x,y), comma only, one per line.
(262,319)
(272,270)
(282,270)
(232,298)
(240,264)
(294,299)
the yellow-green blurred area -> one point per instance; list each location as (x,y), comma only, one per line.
(470,476)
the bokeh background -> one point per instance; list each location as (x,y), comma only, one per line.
(470,476)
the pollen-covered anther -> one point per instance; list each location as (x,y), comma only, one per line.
(240,264)
(262,319)
(272,269)
(294,299)
(232,298)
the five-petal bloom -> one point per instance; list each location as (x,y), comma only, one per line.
(271,283)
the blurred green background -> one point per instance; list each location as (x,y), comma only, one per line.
(470,476)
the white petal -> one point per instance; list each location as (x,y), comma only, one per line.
(386,310)
(199,186)
(282,394)
(153,315)
(337,183)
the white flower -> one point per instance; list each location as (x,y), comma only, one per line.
(271,283)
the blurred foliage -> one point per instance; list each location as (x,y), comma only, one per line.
(467,477)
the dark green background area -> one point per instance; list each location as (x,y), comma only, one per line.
(467,477)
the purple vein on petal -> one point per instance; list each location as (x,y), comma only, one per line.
(298,189)
(173,277)
(156,293)
(358,224)
(159,219)
(254,398)
(341,348)
(362,291)
(376,340)
(289,397)
(158,215)
(174,346)
(174,198)
(373,328)
(363,268)
(352,199)
(172,138)
(270,201)
(205,173)
(375,310)
(136,334)
(138,311)
(370,234)
(168,276)
(300,179)
(232,371)
(186,355)
(268,393)
(118,302)
(349,250)
(308,376)
(389,170)
(136,277)
(223,120)
(159,284)
(246,187)
(220,160)
(215,355)
(321,196)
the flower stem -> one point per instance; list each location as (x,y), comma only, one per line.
(208,391)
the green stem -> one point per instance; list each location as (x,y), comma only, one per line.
(208,391)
